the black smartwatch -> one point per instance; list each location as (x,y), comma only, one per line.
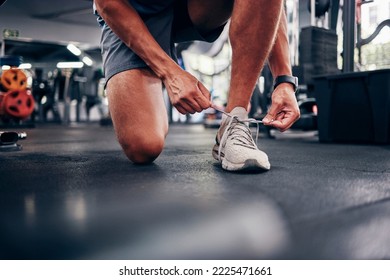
(286,79)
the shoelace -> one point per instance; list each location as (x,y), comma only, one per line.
(229,129)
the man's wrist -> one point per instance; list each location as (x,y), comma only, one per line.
(286,79)
(166,70)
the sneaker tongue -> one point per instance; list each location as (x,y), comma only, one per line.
(240,112)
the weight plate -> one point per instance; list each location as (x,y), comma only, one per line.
(18,104)
(14,79)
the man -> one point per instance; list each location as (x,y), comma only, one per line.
(138,39)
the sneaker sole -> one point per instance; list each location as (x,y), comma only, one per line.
(249,165)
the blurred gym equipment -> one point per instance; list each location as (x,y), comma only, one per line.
(9,139)
(16,101)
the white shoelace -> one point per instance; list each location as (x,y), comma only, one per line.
(226,134)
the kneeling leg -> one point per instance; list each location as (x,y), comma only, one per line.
(138,113)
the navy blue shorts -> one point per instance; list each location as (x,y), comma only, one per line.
(167,21)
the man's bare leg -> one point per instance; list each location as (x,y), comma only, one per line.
(252,33)
(138,113)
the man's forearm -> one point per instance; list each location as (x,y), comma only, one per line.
(126,23)
(279,58)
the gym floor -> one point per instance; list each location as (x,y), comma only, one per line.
(72,194)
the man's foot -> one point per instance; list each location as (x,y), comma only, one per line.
(235,147)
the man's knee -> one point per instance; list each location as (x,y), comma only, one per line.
(142,149)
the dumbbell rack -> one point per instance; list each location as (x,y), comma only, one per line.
(16,101)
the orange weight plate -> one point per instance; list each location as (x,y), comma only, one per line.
(18,104)
(13,79)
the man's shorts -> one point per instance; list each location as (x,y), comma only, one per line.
(169,23)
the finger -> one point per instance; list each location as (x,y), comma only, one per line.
(271,115)
(198,98)
(284,123)
(190,106)
(187,108)
(281,115)
(197,102)
(204,102)
(269,119)
(180,109)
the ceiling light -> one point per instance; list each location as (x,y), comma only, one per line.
(25,66)
(73,49)
(87,61)
(77,64)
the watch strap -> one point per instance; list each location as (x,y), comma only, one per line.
(286,79)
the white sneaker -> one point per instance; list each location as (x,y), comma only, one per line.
(235,147)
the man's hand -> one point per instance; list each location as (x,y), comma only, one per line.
(186,93)
(284,110)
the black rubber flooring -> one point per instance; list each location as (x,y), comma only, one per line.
(72,194)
